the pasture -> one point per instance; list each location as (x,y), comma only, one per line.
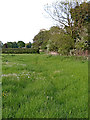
(44,86)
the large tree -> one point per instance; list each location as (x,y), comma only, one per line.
(40,40)
(54,39)
(80,16)
(20,44)
(10,44)
(60,42)
(73,17)
(69,15)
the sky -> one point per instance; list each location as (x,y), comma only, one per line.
(23,19)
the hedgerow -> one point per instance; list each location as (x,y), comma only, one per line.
(19,50)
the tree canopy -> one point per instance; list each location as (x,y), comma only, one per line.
(19,44)
(73,18)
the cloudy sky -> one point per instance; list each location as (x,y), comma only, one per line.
(22,19)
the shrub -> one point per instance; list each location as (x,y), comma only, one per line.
(19,50)
(61,43)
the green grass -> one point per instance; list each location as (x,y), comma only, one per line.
(44,86)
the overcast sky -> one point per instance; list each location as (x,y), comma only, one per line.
(22,19)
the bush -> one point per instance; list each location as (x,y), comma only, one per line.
(19,50)
(61,43)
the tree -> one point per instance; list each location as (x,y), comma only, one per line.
(56,30)
(40,40)
(28,45)
(14,45)
(61,43)
(73,17)
(5,45)
(20,44)
(54,39)
(68,13)
(79,15)
(10,44)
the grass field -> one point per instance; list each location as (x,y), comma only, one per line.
(44,86)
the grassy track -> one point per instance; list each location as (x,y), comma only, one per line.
(44,86)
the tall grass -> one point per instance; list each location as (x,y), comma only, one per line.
(44,86)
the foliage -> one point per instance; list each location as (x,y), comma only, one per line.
(56,30)
(12,45)
(28,45)
(73,17)
(82,41)
(20,44)
(5,45)
(61,43)
(40,40)
(54,40)
(79,15)
(19,50)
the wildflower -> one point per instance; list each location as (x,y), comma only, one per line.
(18,78)
(28,77)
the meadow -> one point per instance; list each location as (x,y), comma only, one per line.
(44,86)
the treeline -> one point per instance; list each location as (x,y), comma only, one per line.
(72,36)
(19,44)
(18,48)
